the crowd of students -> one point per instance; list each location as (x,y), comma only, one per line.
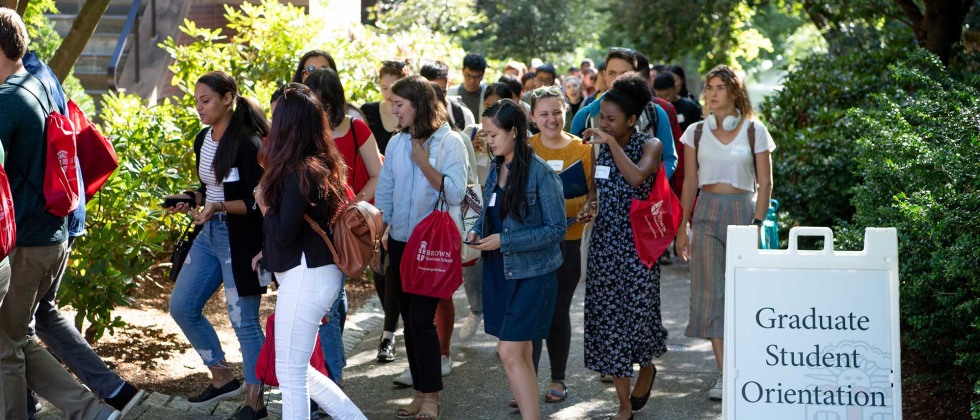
(263,186)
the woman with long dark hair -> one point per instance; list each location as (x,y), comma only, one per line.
(426,157)
(735,182)
(623,326)
(520,234)
(304,176)
(230,235)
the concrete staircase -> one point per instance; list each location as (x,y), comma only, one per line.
(92,66)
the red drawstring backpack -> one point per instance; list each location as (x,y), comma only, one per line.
(655,220)
(8,224)
(96,156)
(60,173)
(265,367)
(432,264)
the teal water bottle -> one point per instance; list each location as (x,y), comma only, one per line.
(770,227)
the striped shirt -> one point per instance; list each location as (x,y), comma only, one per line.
(216,192)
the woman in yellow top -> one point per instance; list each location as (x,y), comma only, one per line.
(560,150)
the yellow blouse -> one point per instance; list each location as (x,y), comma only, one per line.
(574,151)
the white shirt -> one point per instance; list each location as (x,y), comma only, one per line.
(216,191)
(730,163)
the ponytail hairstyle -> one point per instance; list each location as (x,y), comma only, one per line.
(510,116)
(299,142)
(247,120)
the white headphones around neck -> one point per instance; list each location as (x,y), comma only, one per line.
(729,124)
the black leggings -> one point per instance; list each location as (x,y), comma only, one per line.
(560,336)
(421,339)
(388,294)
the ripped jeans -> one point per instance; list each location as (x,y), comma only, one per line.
(207,267)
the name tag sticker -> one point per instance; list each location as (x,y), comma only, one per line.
(232,176)
(556,165)
(680,118)
(740,150)
(493,200)
(602,172)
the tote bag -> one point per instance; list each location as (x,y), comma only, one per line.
(432,264)
(265,367)
(655,220)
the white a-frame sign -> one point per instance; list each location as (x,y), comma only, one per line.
(812,334)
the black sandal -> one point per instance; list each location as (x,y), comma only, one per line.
(553,396)
(638,402)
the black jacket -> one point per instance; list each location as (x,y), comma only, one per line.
(288,235)
(244,231)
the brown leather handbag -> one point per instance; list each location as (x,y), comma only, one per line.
(357,232)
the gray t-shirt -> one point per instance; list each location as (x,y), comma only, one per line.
(472,100)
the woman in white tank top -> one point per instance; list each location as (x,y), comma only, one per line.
(727,158)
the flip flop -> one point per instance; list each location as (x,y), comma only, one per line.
(555,396)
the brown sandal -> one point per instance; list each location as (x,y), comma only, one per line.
(409,411)
(424,414)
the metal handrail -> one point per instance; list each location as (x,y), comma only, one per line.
(130,27)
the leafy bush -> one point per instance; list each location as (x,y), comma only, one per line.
(917,157)
(814,167)
(270,38)
(127,232)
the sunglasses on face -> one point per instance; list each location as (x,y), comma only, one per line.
(311,69)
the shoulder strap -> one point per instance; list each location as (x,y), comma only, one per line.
(751,133)
(326,238)
(46,113)
(357,149)
(698,130)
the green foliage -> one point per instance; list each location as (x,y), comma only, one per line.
(126,231)
(917,153)
(557,31)
(975,404)
(455,18)
(268,40)
(814,166)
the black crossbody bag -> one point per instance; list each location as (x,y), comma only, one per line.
(181,248)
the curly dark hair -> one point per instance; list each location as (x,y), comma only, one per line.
(630,92)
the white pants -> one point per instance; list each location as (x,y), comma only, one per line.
(305,296)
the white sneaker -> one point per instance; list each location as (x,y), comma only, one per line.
(470,325)
(447,365)
(405,379)
(716,392)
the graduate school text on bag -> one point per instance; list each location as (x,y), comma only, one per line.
(432,265)
(655,220)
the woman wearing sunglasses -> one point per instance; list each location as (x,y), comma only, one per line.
(561,150)
(316,60)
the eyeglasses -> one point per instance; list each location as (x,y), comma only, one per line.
(311,69)
(546,91)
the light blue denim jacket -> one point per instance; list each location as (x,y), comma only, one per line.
(531,248)
(404,194)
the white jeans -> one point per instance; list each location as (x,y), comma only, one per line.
(305,296)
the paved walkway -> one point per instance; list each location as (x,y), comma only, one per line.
(477,388)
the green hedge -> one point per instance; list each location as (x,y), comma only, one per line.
(128,233)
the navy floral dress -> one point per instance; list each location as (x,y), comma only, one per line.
(622,296)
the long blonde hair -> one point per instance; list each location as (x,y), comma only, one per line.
(736,88)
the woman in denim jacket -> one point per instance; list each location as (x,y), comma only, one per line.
(520,233)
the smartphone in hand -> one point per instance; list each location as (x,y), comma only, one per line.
(174,201)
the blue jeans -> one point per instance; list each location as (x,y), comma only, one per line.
(207,267)
(331,336)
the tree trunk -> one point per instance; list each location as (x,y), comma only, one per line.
(81,31)
(943,26)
